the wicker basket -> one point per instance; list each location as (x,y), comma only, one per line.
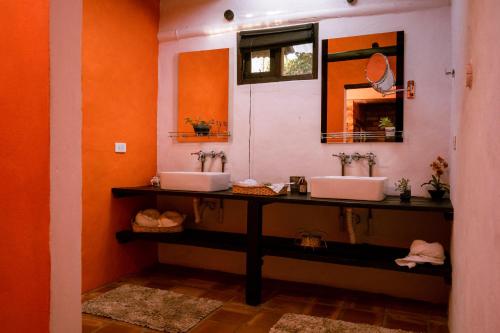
(258,190)
(140,228)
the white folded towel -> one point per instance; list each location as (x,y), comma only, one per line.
(171,219)
(423,252)
(147,218)
(277,187)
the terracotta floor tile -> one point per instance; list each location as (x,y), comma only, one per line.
(437,327)
(286,305)
(119,328)
(190,291)
(414,323)
(231,317)
(265,319)
(412,306)
(278,298)
(361,316)
(209,326)
(90,325)
(241,308)
(199,283)
(223,296)
(323,310)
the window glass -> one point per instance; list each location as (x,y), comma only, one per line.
(297,59)
(261,61)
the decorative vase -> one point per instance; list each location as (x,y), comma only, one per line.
(405,196)
(436,194)
(201,129)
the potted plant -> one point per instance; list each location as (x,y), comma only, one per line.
(200,127)
(404,188)
(386,124)
(439,188)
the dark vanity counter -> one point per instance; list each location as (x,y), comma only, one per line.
(256,245)
(390,202)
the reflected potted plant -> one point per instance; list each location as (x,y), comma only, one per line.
(404,188)
(200,127)
(386,124)
(439,188)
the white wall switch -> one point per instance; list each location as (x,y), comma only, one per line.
(120,147)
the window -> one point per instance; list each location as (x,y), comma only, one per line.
(279,54)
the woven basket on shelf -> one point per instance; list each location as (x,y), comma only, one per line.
(258,190)
(140,228)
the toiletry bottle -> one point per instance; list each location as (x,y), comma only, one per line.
(302,186)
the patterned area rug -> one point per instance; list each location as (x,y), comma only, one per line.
(161,310)
(295,323)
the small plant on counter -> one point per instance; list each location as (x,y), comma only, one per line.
(200,127)
(386,124)
(439,188)
(404,188)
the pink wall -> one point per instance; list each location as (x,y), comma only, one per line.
(66,165)
(274,155)
(475,298)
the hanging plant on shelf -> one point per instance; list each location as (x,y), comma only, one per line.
(439,188)
(404,188)
(200,127)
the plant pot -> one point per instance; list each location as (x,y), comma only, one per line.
(405,196)
(437,194)
(201,130)
(390,133)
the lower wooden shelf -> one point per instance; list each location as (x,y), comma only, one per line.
(361,255)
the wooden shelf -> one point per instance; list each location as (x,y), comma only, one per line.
(255,245)
(361,255)
(390,202)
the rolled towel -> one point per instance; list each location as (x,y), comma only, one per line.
(423,252)
(147,218)
(171,219)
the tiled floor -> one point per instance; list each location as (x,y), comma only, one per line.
(279,297)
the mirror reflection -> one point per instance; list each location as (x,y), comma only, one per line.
(361,100)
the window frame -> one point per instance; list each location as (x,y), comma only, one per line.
(275,74)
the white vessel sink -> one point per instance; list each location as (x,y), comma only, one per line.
(195,181)
(348,187)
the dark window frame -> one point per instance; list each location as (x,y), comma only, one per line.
(275,74)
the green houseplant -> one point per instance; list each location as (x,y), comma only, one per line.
(439,188)
(386,124)
(404,188)
(200,127)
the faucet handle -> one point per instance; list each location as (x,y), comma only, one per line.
(357,156)
(200,154)
(371,158)
(344,158)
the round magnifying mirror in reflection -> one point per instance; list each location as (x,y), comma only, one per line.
(379,73)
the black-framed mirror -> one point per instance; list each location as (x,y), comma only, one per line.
(351,109)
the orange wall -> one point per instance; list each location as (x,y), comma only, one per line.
(24,166)
(119,83)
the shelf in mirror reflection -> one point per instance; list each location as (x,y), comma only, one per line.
(351,137)
(199,135)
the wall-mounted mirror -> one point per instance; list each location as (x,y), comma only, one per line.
(362,88)
(203,88)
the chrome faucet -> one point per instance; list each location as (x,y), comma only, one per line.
(223,158)
(371,162)
(201,157)
(344,159)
